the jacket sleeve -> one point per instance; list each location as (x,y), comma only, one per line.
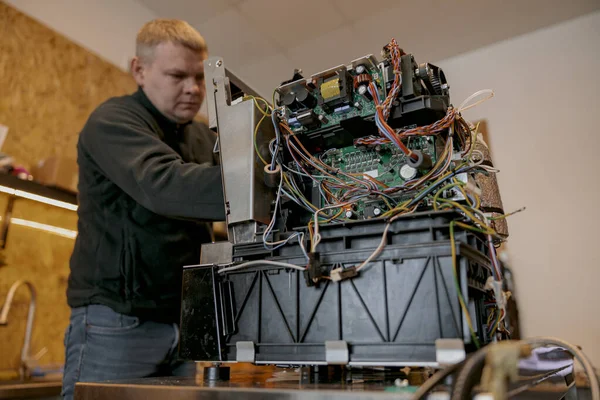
(131,155)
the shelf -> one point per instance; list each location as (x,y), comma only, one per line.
(38,189)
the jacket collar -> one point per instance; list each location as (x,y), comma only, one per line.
(165,123)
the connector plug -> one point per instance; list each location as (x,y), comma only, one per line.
(339,274)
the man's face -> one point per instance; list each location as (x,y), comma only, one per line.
(173,80)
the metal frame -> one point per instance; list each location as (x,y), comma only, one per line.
(247,198)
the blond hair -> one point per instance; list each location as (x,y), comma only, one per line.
(160,31)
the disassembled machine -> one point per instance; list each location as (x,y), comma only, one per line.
(363,213)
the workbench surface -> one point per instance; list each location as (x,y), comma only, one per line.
(267,383)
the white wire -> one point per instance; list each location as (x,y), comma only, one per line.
(382,242)
(290,197)
(301,243)
(305,202)
(489,169)
(490,245)
(316,236)
(325,153)
(295,186)
(272,222)
(260,262)
(302,173)
(579,355)
(323,195)
(465,107)
(377,250)
(297,200)
(480,157)
(279,243)
(299,235)
(479,162)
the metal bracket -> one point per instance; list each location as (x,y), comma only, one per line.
(336,352)
(247,198)
(449,351)
(245,352)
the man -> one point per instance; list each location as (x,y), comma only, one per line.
(147,176)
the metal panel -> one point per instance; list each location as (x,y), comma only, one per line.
(247,198)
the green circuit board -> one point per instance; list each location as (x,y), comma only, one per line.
(365,109)
(385,162)
(382,162)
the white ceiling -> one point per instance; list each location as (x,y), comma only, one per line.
(262,41)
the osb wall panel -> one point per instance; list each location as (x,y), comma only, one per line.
(48,87)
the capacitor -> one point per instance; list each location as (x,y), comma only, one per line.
(407,172)
(360,69)
(289,100)
(363,90)
(358,106)
(349,214)
(377,211)
(304,97)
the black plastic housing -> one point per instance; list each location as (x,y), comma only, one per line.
(391,314)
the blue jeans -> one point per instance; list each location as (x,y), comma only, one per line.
(101,345)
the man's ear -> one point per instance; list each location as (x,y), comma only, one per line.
(138,69)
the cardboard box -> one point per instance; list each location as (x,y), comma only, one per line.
(60,172)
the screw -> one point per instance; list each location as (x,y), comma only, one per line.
(219,63)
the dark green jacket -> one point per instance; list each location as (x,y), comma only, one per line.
(145,182)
